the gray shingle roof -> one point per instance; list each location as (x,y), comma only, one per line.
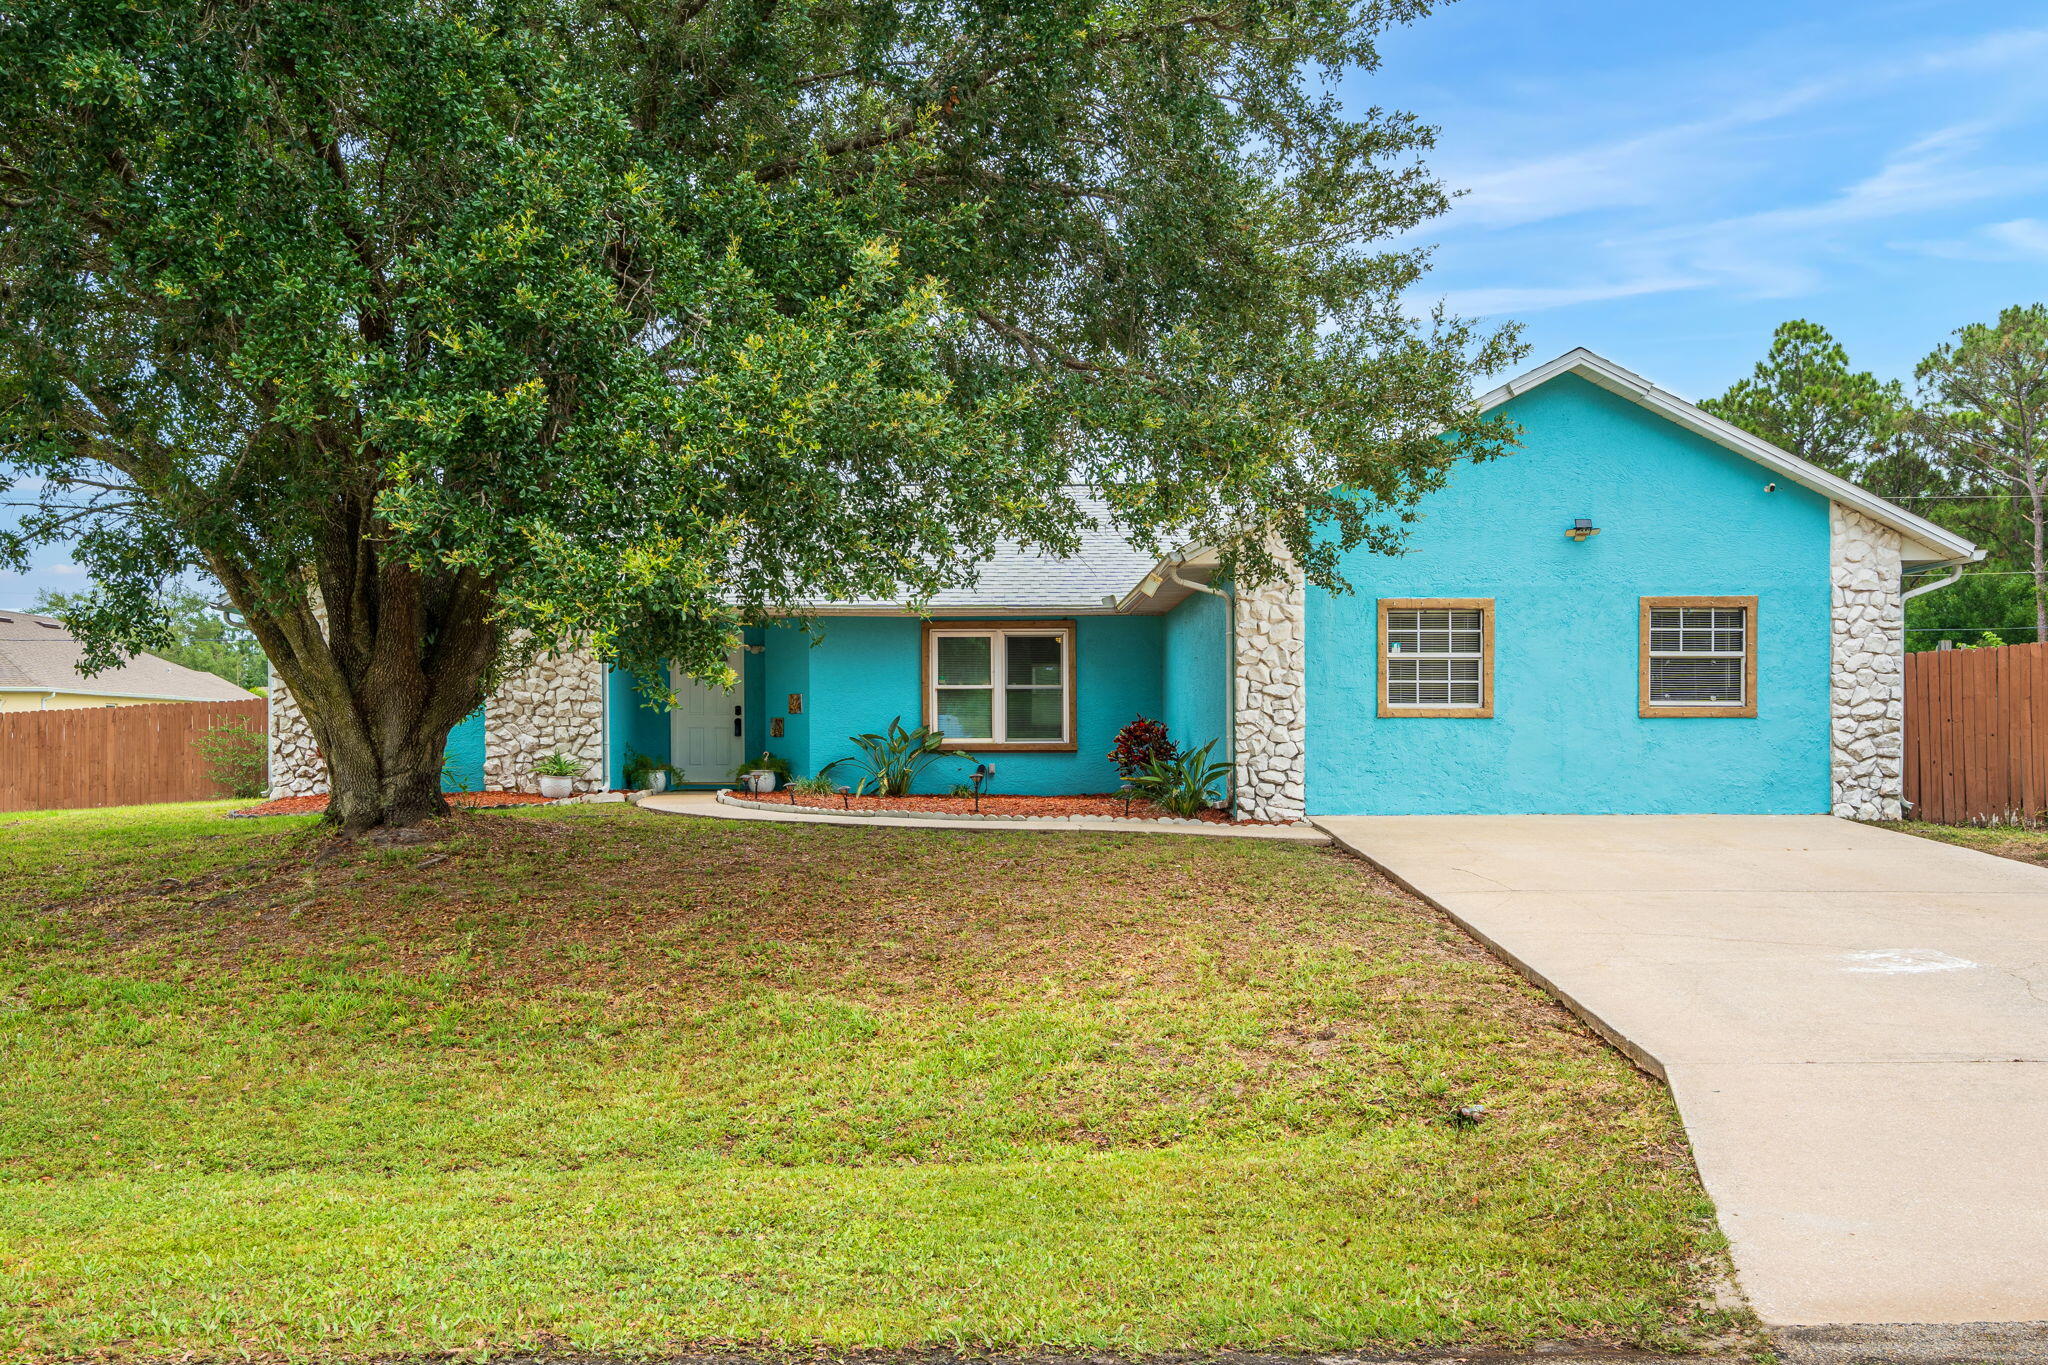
(1106,565)
(37,653)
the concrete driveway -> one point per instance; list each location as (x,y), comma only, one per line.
(1853,1022)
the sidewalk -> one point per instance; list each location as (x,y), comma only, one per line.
(707,804)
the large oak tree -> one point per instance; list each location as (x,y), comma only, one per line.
(443,330)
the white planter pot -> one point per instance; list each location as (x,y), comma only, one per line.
(555,788)
(761,780)
(657,782)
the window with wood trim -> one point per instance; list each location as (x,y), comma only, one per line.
(1698,656)
(1000,685)
(1436,656)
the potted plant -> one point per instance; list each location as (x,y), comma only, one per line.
(761,774)
(557,773)
(650,774)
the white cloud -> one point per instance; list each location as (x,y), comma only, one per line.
(2016,239)
(1930,172)
(65,570)
(1534,298)
(2026,236)
(1639,171)
(1649,196)
(1648,168)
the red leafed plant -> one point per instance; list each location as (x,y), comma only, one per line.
(1139,745)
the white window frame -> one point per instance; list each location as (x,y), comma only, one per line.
(1390,708)
(1746,706)
(998,633)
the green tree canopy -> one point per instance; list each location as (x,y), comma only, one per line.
(1983,411)
(1803,397)
(502,323)
(196,633)
(1995,603)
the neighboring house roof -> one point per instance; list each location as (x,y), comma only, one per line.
(38,655)
(1926,543)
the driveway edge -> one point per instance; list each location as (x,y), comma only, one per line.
(1613,1037)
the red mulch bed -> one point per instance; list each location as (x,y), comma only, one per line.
(1097,804)
(317,805)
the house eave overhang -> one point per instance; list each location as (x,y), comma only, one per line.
(1925,545)
(1157,593)
(960,609)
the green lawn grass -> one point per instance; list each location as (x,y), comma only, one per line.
(592,1079)
(2006,841)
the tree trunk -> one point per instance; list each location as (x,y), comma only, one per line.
(396,788)
(383,664)
(2040,518)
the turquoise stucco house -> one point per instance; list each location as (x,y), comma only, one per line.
(1641,610)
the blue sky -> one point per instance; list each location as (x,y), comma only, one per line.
(1666,182)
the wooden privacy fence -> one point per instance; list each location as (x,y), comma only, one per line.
(1977,734)
(112,755)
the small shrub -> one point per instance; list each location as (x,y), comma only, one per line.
(1139,745)
(818,785)
(235,758)
(557,765)
(893,759)
(1185,785)
(451,778)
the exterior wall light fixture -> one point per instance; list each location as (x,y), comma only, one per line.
(1582,529)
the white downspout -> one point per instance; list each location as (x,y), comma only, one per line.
(1955,572)
(1229,666)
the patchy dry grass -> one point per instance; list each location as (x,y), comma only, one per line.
(590,1079)
(2006,841)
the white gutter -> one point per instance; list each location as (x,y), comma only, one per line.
(1955,572)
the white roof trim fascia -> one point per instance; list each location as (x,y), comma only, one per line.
(1187,557)
(961,611)
(1945,546)
(70,690)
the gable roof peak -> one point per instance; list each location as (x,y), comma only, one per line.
(1927,543)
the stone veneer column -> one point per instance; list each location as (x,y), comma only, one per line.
(555,705)
(296,768)
(1271,639)
(1867,712)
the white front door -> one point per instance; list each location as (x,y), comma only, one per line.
(704,729)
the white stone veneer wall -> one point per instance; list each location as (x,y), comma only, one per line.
(1867,709)
(1271,639)
(295,765)
(554,705)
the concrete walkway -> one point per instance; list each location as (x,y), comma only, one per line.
(1853,1023)
(707,804)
